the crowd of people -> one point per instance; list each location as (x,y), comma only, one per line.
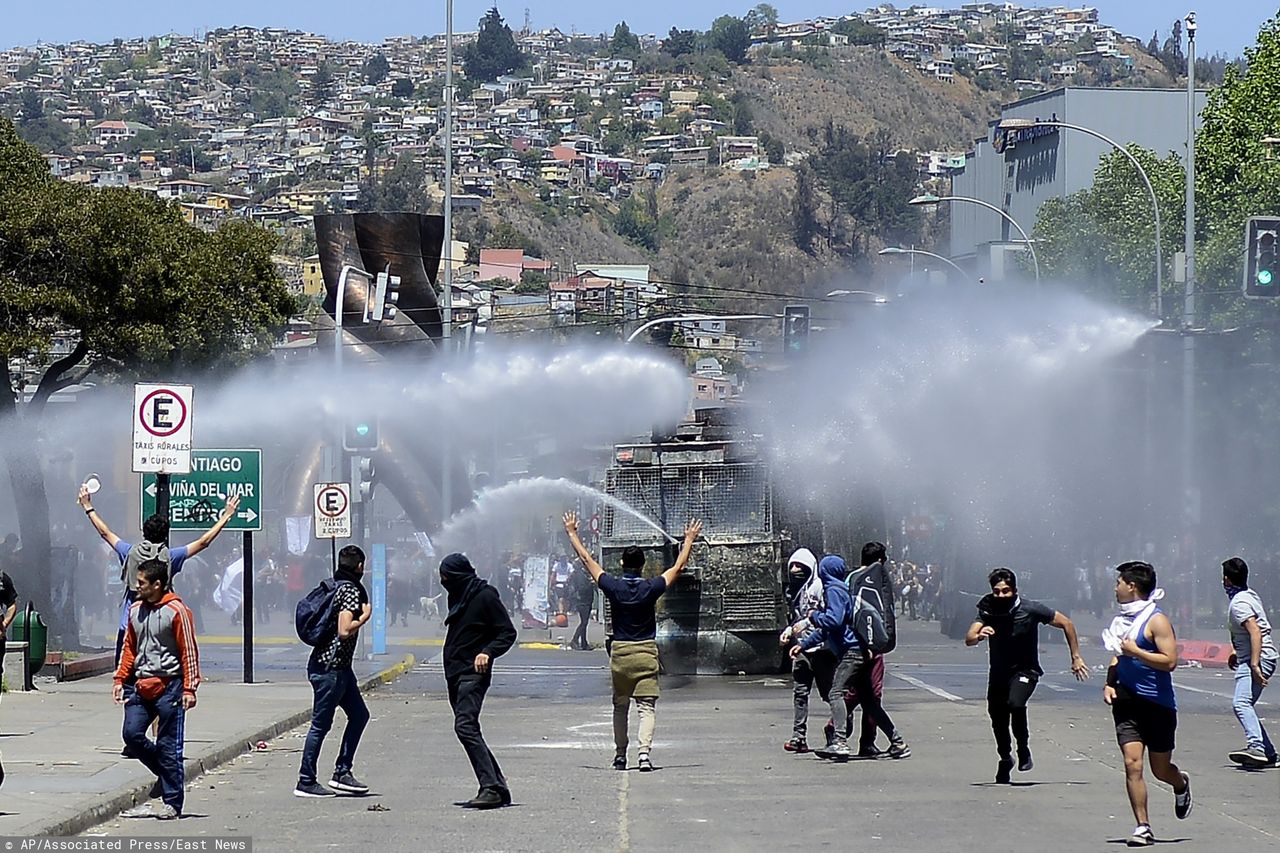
(842,624)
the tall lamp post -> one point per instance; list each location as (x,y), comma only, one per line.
(930,199)
(1028,123)
(689,318)
(898,250)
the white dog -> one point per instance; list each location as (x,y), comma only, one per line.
(430,606)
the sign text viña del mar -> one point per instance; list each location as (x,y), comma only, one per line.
(196,499)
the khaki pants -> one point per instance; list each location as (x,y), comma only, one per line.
(647,706)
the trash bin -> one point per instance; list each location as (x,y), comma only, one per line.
(28,627)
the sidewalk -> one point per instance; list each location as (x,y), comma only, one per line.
(61,744)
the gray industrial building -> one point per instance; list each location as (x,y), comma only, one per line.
(1042,163)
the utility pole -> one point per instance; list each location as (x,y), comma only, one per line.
(446,484)
(1190,488)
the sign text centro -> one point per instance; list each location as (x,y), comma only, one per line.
(196,499)
(162,416)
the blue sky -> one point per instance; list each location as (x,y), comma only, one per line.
(1226,26)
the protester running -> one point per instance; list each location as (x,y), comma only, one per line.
(1254,659)
(1139,690)
(1012,625)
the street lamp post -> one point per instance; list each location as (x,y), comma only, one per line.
(929,199)
(1024,124)
(898,250)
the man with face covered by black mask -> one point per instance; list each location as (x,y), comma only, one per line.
(1012,624)
(478,630)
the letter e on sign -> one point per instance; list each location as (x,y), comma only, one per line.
(162,416)
(332,506)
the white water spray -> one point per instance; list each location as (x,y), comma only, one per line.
(525,497)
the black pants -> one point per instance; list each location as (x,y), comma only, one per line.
(580,637)
(1007,696)
(466,696)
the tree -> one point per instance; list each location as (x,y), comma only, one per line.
(32,106)
(140,292)
(375,69)
(729,35)
(762,18)
(322,82)
(402,87)
(403,187)
(860,32)
(624,42)
(494,52)
(680,42)
(804,210)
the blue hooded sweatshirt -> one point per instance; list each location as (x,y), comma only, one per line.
(832,625)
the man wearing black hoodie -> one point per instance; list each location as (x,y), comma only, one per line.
(478,630)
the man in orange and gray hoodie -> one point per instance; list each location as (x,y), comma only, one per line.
(157,678)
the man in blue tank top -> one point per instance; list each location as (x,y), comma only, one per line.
(1140,692)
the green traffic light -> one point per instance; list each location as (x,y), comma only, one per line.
(1265,277)
(363,429)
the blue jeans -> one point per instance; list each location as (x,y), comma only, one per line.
(333,689)
(1247,693)
(164,756)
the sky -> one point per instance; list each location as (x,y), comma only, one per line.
(1226,26)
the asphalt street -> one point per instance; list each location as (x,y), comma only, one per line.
(724,782)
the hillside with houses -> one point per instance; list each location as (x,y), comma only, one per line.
(689,161)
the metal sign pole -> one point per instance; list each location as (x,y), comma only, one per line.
(162,499)
(248,606)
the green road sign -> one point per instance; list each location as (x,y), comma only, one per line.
(196,499)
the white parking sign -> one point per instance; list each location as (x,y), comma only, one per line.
(162,428)
(333,510)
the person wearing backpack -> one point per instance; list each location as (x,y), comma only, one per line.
(1012,624)
(833,626)
(330,618)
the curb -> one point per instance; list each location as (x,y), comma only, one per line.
(87,666)
(135,793)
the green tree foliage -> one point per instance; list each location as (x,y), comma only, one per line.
(639,221)
(402,87)
(680,42)
(494,52)
(322,82)
(860,32)
(402,188)
(804,210)
(761,17)
(624,42)
(375,69)
(141,292)
(32,105)
(533,281)
(730,36)
(869,181)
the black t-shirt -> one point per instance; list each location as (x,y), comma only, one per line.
(8,594)
(1015,644)
(633,601)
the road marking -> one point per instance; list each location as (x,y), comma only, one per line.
(624,831)
(1057,688)
(936,691)
(1219,694)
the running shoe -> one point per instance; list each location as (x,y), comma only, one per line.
(1142,837)
(1182,802)
(797,745)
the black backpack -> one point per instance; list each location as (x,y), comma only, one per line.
(872,613)
(316,618)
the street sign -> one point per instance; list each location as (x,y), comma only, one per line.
(162,428)
(378,592)
(333,510)
(196,498)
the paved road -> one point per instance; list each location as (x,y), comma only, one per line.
(725,784)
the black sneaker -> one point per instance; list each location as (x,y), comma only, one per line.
(1182,802)
(1003,769)
(489,798)
(347,783)
(899,749)
(646,766)
(1251,757)
(619,762)
(1024,760)
(871,752)
(312,789)
(156,792)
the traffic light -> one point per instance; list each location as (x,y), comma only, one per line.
(795,330)
(1262,253)
(360,434)
(361,478)
(382,301)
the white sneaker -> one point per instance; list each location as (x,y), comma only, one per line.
(1142,837)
